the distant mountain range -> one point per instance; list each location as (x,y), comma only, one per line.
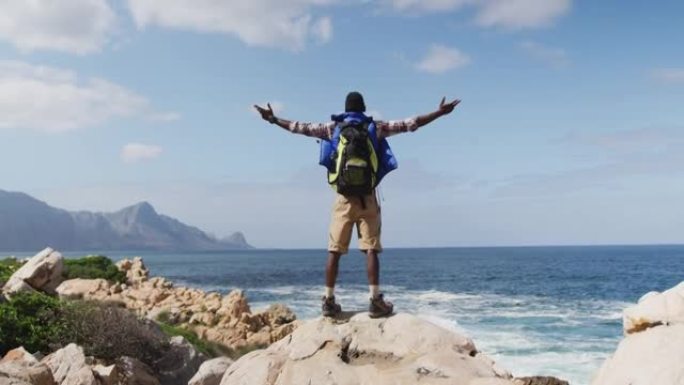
(27,224)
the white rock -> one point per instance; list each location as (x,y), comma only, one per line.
(135,270)
(107,375)
(399,350)
(42,272)
(19,367)
(80,288)
(69,367)
(655,309)
(211,372)
(652,357)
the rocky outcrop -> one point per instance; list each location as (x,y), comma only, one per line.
(69,366)
(19,367)
(80,288)
(211,372)
(135,270)
(134,372)
(42,272)
(180,362)
(655,309)
(652,351)
(402,349)
(227,320)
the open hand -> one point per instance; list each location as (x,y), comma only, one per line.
(266,113)
(446,108)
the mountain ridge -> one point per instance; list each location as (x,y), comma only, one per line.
(27,223)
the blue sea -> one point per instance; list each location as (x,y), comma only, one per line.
(536,310)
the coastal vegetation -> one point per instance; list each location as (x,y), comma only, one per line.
(92,267)
(7,267)
(43,323)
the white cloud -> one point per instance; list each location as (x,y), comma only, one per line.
(76,26)
(136,152)
(669,75)
(510,14)
(519,14)
(287,24)
(56,100)
(440,59)
(555,57)
(322,30)
(429,5)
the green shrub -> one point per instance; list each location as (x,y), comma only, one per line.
(31,320)
(7,267)
(91,267)
(42,323)
(108,332)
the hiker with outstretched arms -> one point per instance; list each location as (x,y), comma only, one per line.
(355,151)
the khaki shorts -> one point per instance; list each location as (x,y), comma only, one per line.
(349,211)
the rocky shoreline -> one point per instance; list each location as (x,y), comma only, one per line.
(226,320)
(353,349)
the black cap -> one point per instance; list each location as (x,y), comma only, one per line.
(354,103)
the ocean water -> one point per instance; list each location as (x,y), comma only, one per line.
(536,310)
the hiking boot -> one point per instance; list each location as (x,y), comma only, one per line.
(379,307)
(329,307)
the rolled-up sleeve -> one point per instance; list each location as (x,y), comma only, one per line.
(316,130)
(393,127)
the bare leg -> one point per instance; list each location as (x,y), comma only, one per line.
(331,268)
(373,268)
(378,306)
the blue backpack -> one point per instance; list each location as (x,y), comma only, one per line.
(355,158)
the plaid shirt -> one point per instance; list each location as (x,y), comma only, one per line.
(325,130)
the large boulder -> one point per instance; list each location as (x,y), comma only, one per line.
(19,367)
(134,372)
(278,314)
(655,309)
(180,362)
(402,349)
(80,288)
(42,272)
(69,366)
(654,356)
(211,372)
(652,351)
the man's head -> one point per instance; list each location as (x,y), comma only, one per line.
(354,103)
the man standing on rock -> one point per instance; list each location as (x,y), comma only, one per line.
(355,151)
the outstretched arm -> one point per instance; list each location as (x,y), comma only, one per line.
(317,130)
(268,115)
(390,128)
(444,109)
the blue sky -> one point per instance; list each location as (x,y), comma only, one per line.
(570,130)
